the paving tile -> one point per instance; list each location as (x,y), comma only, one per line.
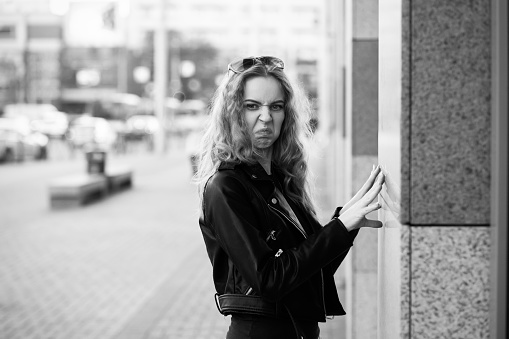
(133,266)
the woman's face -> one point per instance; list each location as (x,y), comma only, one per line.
(264,110)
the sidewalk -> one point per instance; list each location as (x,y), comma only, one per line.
(132,266)
(102,270)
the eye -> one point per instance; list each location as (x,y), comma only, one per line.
(277,107)
(251,106)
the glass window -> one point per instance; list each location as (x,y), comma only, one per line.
(44,32)
(7,32)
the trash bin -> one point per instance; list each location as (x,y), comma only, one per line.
(96,162)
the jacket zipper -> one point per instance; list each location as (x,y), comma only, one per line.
(304,235)
(289,219)
(271,235)
(248,292)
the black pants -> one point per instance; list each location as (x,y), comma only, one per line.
(252,327)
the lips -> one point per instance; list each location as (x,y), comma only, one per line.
(265,132)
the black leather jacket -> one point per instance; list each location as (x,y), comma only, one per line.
(262,263)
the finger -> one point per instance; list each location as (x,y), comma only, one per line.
(368,185)
(374,173)
(372,223)
(372,177)
(375,189)
(369,182)
(371,208)
(380,177)
(370,196)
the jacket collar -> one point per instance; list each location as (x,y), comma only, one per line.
(255,171)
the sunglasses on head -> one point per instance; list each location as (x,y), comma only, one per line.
(242,65)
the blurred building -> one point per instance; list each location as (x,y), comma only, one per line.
(289,29)
(71,52)
(31,39)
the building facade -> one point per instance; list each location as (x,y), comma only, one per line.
(31,39)
(84,50)
(441,121)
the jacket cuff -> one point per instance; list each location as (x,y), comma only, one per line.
(352,234)
(336,212)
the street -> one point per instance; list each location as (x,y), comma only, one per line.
(130,266)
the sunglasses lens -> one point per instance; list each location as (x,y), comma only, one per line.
(272,62)
(240,66)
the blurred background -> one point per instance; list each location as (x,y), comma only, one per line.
(102,103)
(62,60)
(125,84)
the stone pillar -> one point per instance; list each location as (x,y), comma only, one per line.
(434,144)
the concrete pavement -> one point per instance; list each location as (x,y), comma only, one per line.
(132,266)
(101,270)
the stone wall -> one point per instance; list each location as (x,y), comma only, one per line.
(434,143)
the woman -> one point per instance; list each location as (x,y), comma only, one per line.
(273,263)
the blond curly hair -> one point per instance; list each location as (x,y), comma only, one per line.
(227,139)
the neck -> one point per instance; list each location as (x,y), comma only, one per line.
(265,159)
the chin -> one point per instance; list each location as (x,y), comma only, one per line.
(263,144)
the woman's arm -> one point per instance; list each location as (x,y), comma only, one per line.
(229,212)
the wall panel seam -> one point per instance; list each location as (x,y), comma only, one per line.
(449,225)
(365,39)
(409,216)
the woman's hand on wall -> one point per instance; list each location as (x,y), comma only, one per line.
(353,214)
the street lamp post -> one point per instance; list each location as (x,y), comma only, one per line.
(160,75)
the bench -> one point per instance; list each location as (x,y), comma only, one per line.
(119,178)
(79,189)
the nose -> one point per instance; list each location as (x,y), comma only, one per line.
(265,114)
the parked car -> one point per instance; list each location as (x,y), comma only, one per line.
(30,111)
(52,123)
(11,146)
(88,132)
(187,117)
(19,142)
(141,126)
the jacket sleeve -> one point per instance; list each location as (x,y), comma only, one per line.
(334,265)
(229,212)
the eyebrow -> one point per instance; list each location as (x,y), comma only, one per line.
(258,102)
